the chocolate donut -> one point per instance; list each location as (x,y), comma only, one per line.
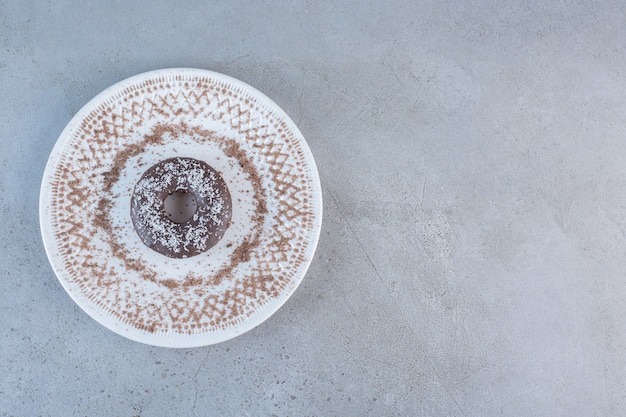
(178,238)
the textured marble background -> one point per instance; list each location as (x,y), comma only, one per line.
(472,260)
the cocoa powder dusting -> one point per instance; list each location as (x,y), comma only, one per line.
(213,310)
(232,150)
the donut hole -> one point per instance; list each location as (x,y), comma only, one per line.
(180,206)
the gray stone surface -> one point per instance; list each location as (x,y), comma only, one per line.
(473,255)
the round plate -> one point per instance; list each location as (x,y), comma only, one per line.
(234,286)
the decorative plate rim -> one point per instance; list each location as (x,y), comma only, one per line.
(174,339)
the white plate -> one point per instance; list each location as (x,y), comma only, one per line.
(234,286)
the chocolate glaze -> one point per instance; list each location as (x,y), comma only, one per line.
(194,236)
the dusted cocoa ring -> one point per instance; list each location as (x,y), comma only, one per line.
(193,230)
